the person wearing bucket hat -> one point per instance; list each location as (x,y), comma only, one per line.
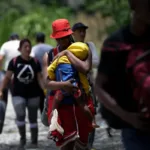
(61,28)
(62,33)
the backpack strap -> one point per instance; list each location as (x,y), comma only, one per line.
(14,61)
(55,51)
(51,54)
(35,60)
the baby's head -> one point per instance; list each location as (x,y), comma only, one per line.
(79,49)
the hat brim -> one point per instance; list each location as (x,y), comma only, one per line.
(61,34)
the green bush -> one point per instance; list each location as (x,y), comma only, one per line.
(31,16)
(117,9)
(36,18)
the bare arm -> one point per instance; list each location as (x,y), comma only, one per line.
(6,80)
(106,99)
(82,66)
(40,80)
(1,60)
(49,84)
(53,85)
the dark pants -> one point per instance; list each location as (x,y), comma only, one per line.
(3,104)
(92,134)
(91,139)
(135,140)
(42,98)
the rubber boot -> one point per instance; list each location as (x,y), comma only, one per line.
(22,132)
(34,137)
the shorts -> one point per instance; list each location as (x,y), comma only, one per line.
(73,121)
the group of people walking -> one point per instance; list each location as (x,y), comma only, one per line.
(122,83)
(69,109)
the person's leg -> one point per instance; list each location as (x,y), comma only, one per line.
(81,101)
(2,114)
(3,103)
(135,140)
(19,104)
(33,104)
(42,98)
(84,128)
(91,139)
(69,124)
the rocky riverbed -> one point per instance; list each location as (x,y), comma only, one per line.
(9,139)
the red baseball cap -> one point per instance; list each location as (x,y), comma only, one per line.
(61,28)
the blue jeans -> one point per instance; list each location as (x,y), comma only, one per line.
(135,140)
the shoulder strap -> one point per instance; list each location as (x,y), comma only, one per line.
(51,54)
(55,51)
(144,56)
(14,61)
(35,60)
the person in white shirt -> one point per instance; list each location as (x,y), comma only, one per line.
(8,51)
(79,34)
(38,52)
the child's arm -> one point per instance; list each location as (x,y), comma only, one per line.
(51,70)
(8,76)
(82,66)
(53,85)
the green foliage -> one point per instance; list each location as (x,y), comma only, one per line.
(117,9)
(31,16)
(39,20)
(27,19)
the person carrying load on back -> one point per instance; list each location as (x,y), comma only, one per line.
(61,70)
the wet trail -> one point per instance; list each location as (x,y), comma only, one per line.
(9,139)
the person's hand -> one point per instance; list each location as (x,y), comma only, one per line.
(69,87)
(60,54)
(138,121)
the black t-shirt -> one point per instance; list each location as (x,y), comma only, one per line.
(25,81)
